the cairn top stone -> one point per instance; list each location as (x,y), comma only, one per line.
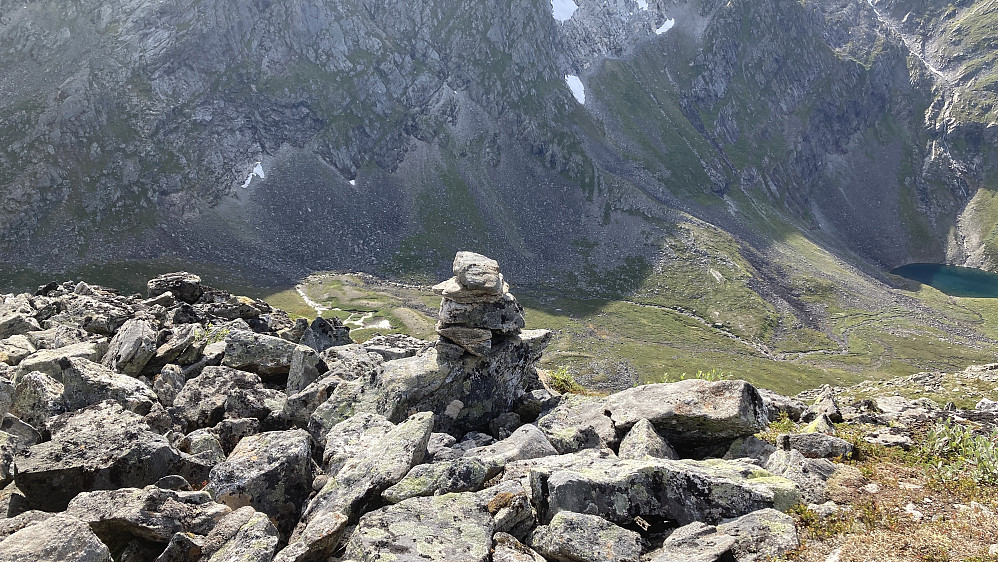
(477,272)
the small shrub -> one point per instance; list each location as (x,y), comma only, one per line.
(212,334)
(712,375)
(955,451)
(563,381)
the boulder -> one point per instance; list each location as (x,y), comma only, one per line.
(182,345)
(268,356)
(131,347)
(527,442)
(824,404)
(696,542)
(150,513)
(184,286)
(503,315)
(508,549)
(168,384)
(750,448)
(810,475)
(201,403)
(37,397)
(255,539)
(579,422)
(8,445)
(102,447)
(203,444)
(353,437)
(577,537)
(324,333)
(692,412)
(272,472)
(761,535)
(619,490)
(643,441)
(102,315)
(363,478)
(61,538)
(87,383)
(300,406)
(11,525)
(6,395)
(321,536)
(396,346)
(51,361)
(778,405)
(451,527)
(25,434)
(15,349)
(816,445)
(306,368)
(59,335)
(457,475)
(17,323)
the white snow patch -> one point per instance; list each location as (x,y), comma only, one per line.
(353,182)
(666,26)
(578,90)
(257,171)
(319,309)
(643,4)
(563,9)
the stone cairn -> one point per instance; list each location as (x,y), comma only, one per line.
(477,312)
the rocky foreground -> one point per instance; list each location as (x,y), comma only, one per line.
(192,424)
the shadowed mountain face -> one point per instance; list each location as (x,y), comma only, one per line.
(392,133)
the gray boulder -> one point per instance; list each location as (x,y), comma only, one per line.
(203,444)
(150,513)
(131,347)
(321,536)
(306,367)
(103,447)
(255,539)
(15,349)
(272,472)
(8,445)
(778,405)
(577,537)
(396,346)
(451,528)
(18,323)
(184,286)
(810,475)
(457,475)
(59,335)
(182,345)
(201,403)
(6,395)
(268,356)
(752,448)
(363,478)
(37,397)
(761,535)
(824,404)
(503,315)
(693,412)
(579,422)
(619,490)
(696,542)
(324,333)
(816,445)
(168,384)
(61,538)
(353,437)
(86,383)
(643,441)
(527,442)
(51,361)
(508,549)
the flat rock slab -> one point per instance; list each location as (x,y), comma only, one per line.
(268,356)
(102,447)
(585,538)
(447,528)
(762,535)
(61,538)
(201,402)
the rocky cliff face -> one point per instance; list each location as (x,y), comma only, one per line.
(388,132)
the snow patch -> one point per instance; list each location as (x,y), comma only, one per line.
(643,4)
(578,90)
(666,26)
(353,182)
(563,9)
(257,171)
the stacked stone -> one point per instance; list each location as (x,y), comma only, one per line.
(477,311)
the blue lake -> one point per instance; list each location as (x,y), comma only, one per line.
(952,279)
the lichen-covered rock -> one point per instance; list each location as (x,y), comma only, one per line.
(527,442)
(272,472)
(15,349)
(168,384)
(457,475)
(451,528)
(6,395)
(816,445)
(51,361)
(131,347)
(619,490)
(750,447)
(577,537)
(693,412)
(16,323)
(203,444)
(365,476)
(306,367)
(396,346)
(508,549)
(102,447)
(61,538)
(324,333)
(579,422)
(321,536)
(643,441)
(8,444)
(201,403)
(149,513)
(696,542)
(57,336)
(183,345)
(184,286)
(353,437)
(824,404)
(87,383)
(254,541)
(810,475)
(13,524)
(268,356)
(778,405)
(37,397)
(761,535)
